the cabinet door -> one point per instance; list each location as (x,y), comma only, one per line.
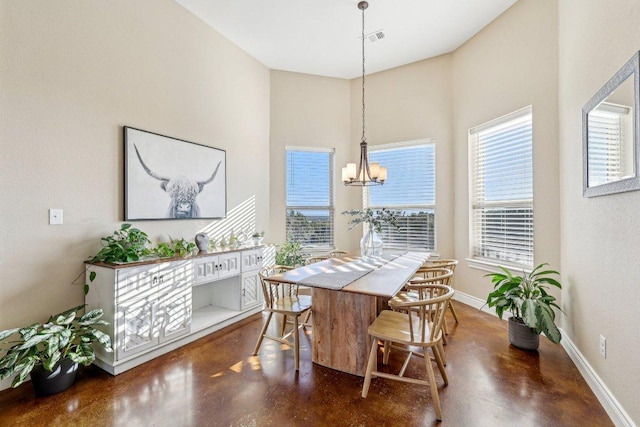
(137,328)
(251,291)
(229,264)
(176,313)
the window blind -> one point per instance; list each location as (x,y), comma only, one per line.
(309,193)
(607,128)
(502,189)
(410,189)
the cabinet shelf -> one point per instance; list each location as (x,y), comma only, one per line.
(210,315)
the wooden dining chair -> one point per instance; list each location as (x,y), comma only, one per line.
(414,292)
(418,324)
(282,298)
(317,258)
(451,264)
(337,253)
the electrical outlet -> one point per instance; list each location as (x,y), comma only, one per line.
(55,216)
(603,346)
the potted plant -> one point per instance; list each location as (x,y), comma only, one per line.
(289,254)
(175,248)
(257,237)
(371,244)
(530,304)
(51,352)
(125,245)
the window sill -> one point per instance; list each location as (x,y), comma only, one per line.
(494,267)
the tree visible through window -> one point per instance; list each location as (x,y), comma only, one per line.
(309,207)
(502,189)
(410,189)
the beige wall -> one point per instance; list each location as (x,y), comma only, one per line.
(71,75)
(308,111)
(404,104)
(509,65)
(600,249)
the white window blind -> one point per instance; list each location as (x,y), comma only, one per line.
(411,189)
(607,130)
(309,210)
(502,189)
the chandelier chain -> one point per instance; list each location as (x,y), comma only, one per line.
(363,136)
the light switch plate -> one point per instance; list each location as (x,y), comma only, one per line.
(55,216)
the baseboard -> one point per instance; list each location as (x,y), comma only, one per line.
(615,411)
(5,383)
(611,405)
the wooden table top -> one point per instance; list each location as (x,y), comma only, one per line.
(384,281)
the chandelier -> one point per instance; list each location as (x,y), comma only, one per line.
(363,174)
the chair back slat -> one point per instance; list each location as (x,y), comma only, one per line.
(429,309)
(274,290)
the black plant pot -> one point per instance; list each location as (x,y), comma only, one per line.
(59,379)
(522,336)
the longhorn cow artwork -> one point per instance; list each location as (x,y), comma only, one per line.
(188,178)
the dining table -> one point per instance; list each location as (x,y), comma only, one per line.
(348,292)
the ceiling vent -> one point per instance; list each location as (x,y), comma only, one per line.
(373,37)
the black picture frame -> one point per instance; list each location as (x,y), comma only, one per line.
(168,178)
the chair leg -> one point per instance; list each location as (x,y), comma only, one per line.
(434,388)
(453,311)
(264,329)
(284,325)
(373,356)
(437,354)
(385,354)
(305,322)
(442,354)
(296,343)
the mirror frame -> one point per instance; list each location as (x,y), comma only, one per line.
(631,68)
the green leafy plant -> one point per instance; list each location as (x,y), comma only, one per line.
(164,250)
(125,245)
(376,218)
(258,234)
(289,254)
(527,299)
(64,335)
(182,247)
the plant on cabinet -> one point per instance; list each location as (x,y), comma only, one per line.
(125,245)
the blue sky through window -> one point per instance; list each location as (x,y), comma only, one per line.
(407,166)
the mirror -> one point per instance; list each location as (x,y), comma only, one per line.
(610,134)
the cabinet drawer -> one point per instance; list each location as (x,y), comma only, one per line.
(251,260)
(205,270)
(229,265)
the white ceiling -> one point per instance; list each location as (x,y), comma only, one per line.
(322,37)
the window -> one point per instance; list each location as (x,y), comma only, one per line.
(608,128)
(502,189)
(309,210)
(411,189)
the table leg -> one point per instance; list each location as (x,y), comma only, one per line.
(340,322)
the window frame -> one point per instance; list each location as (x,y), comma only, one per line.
(330,207)
(427,207)
(486,262)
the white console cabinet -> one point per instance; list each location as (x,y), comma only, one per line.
(154,307)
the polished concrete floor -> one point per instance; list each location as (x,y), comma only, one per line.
(216,382)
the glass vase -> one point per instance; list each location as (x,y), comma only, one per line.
(370,244)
